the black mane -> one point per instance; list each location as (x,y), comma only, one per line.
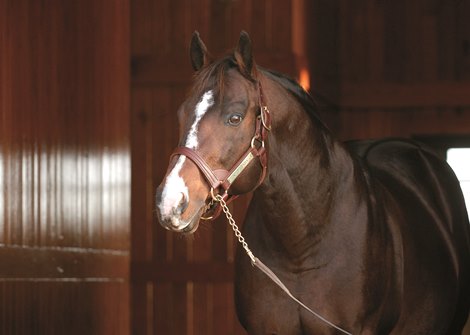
(303,97)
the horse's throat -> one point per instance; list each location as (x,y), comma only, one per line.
(299,202)
(291,219)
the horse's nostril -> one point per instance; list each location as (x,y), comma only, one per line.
(182,203)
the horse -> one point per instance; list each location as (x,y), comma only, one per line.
(372,235)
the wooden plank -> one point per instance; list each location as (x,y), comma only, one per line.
(160,138)
(258,25)
(241,12)
(430,42)
(375,32)
(24,311)
(382,95)
(179,323)
(394,36)
(223,320)
(402,122)
(139,308)
(50,263)
(219,36)
(280,35)
(345,41)
(149,35)
(179,15)
(447,40)
(142,166)
(202,310)
(462,52)
(200,19)
(181,272)
(360,37)
(413,43)
(55,169)
(163,318)
(159,71)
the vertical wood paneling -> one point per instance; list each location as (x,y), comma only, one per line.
(375,29)
(395,32)
(447,39)
(64,167)
(416,46)
(462,50)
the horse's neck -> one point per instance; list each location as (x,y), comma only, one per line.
(308,191)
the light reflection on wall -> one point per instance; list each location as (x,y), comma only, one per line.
(304,79)
(96,187)
(459,160)
(55,196)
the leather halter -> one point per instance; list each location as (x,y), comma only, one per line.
(220,180)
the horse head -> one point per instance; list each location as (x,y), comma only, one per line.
(222,129)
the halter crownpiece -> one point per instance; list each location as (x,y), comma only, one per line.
(221,180)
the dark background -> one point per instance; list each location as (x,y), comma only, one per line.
(88,98)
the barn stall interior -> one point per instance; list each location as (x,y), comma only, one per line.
(89,93)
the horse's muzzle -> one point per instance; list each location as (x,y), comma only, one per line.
(170,210)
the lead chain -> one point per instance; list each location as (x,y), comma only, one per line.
(234,226)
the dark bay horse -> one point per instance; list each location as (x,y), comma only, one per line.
(373,235)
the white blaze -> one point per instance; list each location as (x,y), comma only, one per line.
(175,187)
(201,109)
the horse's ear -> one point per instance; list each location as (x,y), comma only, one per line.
(243,55)
(199,55)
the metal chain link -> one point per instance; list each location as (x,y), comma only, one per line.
(234,226)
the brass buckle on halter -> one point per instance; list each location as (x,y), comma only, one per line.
(264,109)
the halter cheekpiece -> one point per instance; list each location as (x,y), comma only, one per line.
(220,180)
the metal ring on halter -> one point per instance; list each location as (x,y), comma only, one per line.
(263,121)
(215,197)
(212,194)
(204,218)
(213,200)
(256,138)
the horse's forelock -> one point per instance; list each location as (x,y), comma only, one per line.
(212,77)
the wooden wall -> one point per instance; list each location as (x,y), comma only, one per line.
(380,68)
(393,68)
(64,167)
(184,285)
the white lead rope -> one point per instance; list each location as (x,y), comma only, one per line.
(260,265)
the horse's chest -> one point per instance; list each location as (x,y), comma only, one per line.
(262,307)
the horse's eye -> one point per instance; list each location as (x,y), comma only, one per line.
(235,119)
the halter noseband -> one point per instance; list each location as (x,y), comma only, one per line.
(223,179)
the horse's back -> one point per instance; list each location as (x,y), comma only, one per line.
(430,217)
(411,170)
